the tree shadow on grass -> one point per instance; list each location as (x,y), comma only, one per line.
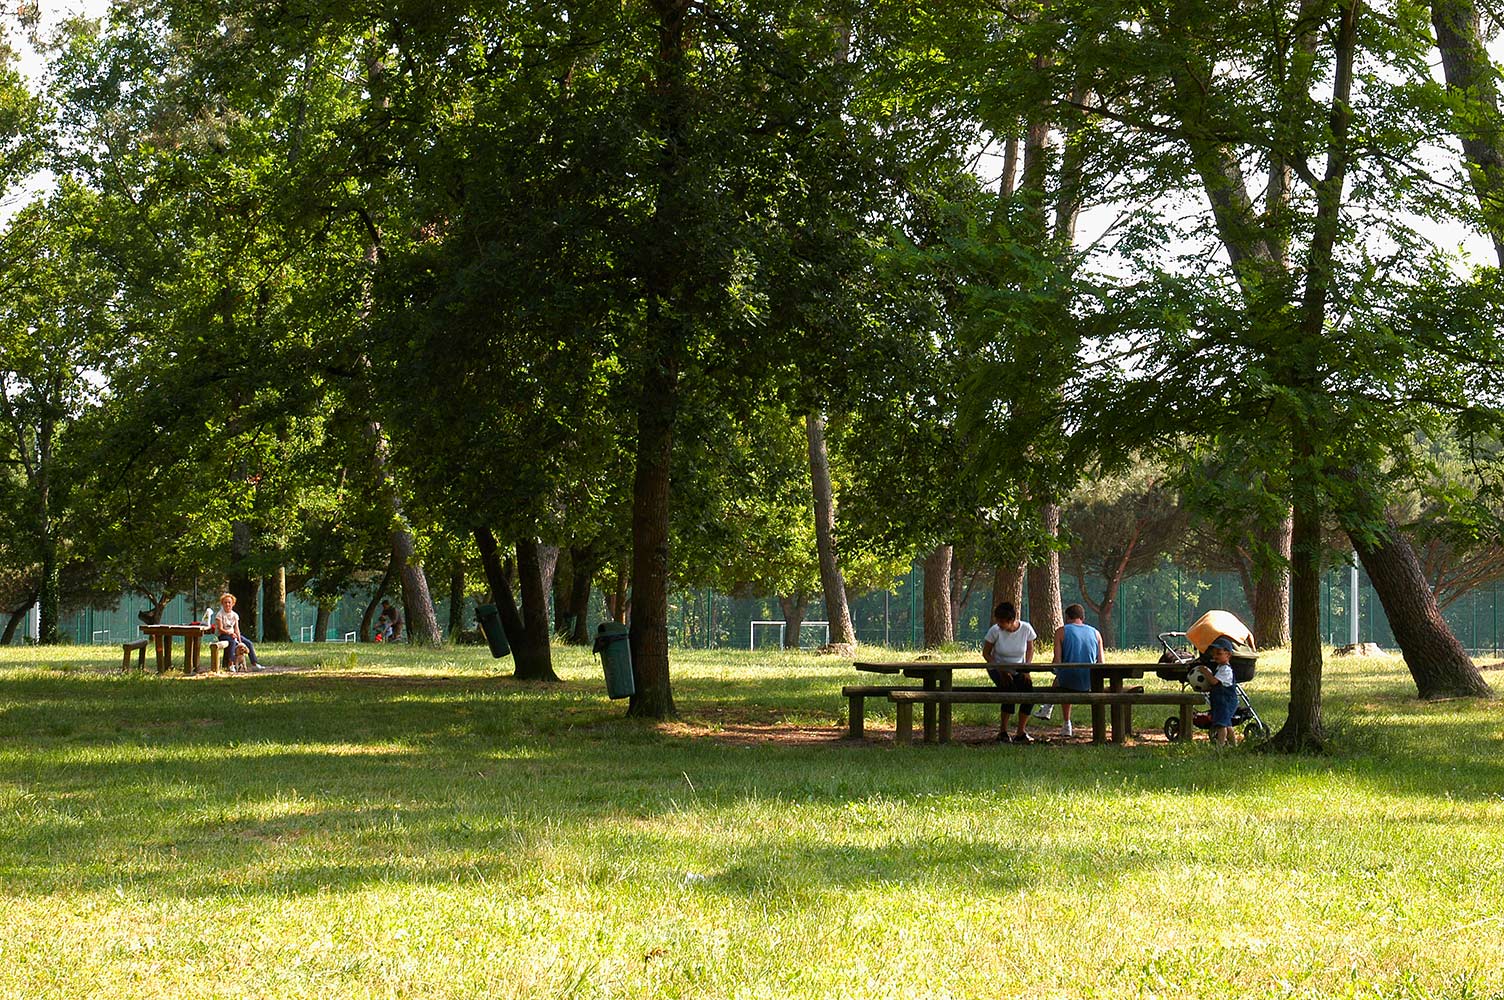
(110,770)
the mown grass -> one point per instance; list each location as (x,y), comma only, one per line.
(401,823)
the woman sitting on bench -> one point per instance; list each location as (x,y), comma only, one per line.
(227,627)
(1010,640)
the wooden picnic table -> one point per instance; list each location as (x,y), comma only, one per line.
(161,636)
(938,675)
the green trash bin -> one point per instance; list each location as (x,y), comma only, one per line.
(616,658)
(490,625)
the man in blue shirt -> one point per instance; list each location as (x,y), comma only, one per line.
(1075,642)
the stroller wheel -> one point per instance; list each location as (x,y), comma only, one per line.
(1255,730)
(1172,729)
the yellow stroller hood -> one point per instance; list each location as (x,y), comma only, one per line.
(1218,623)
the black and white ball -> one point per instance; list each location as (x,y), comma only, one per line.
(1199,679)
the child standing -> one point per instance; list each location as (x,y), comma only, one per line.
(1224,693)
(227,627)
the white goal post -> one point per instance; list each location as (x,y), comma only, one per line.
(782,628)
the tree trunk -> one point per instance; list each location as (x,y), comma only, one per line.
(1271,592)
(793,617)
(1104,614)
(1102,609)
(369,615)
(548,562)
(534,658)
(321,623)
(579,596)
(531,660)
(250,618)
(938,627)
(670,291)
(832,581)
(13,624)
(274,606)
(1045,613)
(456,599)
(563,589)
(1438,663)
(963,581)
(1008,585)
(1303,730)
(1478,126)
(242,587)
(618,598)
(420,619)
(650,558)
(158,604)
(49,625)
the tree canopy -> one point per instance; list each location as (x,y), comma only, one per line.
(330,294)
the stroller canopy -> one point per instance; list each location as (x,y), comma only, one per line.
(1218,623)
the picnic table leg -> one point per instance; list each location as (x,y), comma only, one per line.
(162,655)
(190,654)
(1098,713)
(905,731)
(1119,713)
(856,716)
(930,684)
(1185,723)
(946,681)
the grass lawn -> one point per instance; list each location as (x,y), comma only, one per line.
(400,823)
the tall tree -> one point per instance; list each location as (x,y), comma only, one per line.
(1119,527)
(832,582)
(1472,84)
(54,340)
(1307,322)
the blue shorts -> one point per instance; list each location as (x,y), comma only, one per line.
(1073,679)
(1224,699)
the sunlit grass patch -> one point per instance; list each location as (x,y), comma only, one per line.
(414,823)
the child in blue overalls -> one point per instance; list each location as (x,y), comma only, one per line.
(1224,692)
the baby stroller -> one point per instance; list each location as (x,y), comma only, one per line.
(1184,650)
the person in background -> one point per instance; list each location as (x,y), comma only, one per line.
(1010,641)
(1075,642)
(392,630)
(227,627)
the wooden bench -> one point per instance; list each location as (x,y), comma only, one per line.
(138,647)
(215,648)
(1185,700)
(857,695)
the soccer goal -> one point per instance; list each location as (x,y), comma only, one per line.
(782,627)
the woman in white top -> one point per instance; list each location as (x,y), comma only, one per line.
(227,627)
(1010,640)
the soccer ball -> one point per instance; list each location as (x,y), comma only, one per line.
(1198,679)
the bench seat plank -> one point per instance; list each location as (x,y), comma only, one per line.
(856,696)
(137,646)
(992,696)
(905,701)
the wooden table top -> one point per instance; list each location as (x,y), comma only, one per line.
(915,668)
(191,629)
